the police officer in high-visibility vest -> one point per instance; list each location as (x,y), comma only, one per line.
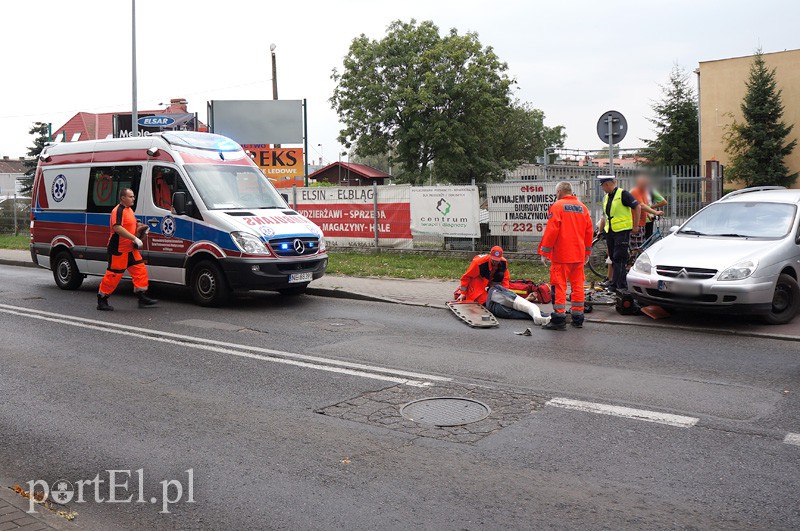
(123,254)
(567,242)
(621,212)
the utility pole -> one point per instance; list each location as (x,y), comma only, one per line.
(134,111)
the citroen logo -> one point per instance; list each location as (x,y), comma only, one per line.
(299,246)
(683,273)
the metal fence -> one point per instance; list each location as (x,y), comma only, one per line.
(685,190)
(15,215)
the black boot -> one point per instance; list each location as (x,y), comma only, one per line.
(577,321)
(145,301)
(558,321)
(102,303)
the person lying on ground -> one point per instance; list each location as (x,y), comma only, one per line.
(486,282)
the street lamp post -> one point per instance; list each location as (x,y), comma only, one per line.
(134,110)
(274,72)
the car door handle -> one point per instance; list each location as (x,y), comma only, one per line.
(153,221)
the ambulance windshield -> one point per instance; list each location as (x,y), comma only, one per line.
(232,186)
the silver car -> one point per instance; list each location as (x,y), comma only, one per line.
(740,254)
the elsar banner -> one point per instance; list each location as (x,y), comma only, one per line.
(519,209)
(346,214)
(446,210)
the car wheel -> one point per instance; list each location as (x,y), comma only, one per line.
(785,301)
(65,271)
(294,291)
(209,287)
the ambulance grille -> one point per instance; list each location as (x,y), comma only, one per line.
(288,247)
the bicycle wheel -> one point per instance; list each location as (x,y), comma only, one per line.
(603,298)
(597,260)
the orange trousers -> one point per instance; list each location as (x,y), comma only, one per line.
(560,274)
(117,264)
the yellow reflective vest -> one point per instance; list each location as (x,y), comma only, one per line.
(621,217)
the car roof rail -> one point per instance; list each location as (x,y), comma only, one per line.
(752,189)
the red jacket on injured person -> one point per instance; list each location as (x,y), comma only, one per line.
(484,269)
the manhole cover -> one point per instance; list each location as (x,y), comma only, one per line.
(445,411)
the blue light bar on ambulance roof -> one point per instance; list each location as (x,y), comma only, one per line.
(196,140)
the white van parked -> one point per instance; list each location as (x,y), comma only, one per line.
(216,222)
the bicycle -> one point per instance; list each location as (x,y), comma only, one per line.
(598,260)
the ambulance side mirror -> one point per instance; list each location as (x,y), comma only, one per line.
(285,198)
(179,203)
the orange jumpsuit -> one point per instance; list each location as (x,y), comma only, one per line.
(479,273)
(123,255)
(567,241)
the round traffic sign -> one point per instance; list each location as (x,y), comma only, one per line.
(619,127)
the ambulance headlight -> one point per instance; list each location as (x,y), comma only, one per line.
(643,264)
(322,246)
(249,243)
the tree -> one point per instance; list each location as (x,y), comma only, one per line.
(675,123)
(523,137)
(757,145)
(431,102)
(42,132)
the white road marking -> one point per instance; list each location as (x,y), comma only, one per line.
(234,349)
(792,438)
(627,412)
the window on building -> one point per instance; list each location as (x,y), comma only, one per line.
(105,184)
(75,137)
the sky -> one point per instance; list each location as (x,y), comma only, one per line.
(573,59)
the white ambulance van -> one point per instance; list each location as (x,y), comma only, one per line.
(216,223)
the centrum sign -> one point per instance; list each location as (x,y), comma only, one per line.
(519,209)
(446,210)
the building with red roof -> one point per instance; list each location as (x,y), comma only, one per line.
(94,126)
(349,174)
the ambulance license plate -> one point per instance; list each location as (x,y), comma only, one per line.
(300,277)
(680,288)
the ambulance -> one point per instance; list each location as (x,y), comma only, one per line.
(216,223)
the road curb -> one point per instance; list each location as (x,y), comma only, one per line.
(355,295)
(18,263)
(45,516)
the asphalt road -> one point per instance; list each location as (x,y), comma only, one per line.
(254,400)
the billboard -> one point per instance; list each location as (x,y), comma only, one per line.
(283,166)
(346,214)
(446,211)
(519,209)
(254,121)
(149,123)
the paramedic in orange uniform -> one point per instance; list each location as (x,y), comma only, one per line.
(567,242)
(123,254)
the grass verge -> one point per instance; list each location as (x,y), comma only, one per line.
(397,265)
(9,241)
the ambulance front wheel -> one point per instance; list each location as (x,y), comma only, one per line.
(65,271)
(209,287)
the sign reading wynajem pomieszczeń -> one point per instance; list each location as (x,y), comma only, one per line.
(519,209)
(346,215)
(446,211)
(283,166)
